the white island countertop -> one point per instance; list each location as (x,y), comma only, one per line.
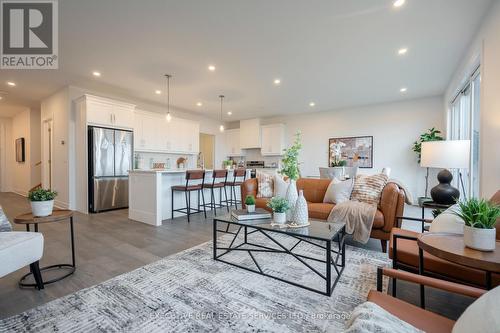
(171,170)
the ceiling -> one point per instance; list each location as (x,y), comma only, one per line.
(335,53)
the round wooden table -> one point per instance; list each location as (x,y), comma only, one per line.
(451,247)
(57,216)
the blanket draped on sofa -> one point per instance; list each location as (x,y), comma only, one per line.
(358,217)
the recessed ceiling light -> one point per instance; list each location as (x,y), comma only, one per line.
(211,68)
(199,104)
(402,51)
(403,90)
(1,98)
(158,92)
(312,104)
(277,82)
(10,83)
(229,113)
(398,3)
(96,74)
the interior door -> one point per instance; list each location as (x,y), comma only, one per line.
(103,152)
(123,152)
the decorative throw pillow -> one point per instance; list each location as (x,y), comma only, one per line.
(280,186)
(264,185)
(368,189)
(448,222)
(4,222)
(338,191)
(482,315)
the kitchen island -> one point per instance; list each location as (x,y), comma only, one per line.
(150,196)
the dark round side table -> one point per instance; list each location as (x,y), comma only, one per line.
(57,216)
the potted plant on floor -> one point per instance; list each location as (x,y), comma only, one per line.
(480,218)
(250,203)
(42,202)
(279,206)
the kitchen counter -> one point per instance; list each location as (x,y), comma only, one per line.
(150,195)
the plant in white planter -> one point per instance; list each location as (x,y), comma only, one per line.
(42,202)
(279,207)
(250,203)
(290,168)
(480,217)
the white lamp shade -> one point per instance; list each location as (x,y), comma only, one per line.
(449,154)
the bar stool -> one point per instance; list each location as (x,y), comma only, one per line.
(191,175)
(219,179)
(239,176)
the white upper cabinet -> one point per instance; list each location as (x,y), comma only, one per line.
(250,134)
(153,133)
(273,140)
(107,112)
(233,147)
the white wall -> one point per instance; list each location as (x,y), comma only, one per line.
(7,158)
(394,127)
(56,107)
(485,49)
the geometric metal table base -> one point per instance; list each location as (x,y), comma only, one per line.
(331,256)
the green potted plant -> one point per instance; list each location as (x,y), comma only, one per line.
(42,201)
(279,206)
(290,168)
(432,134)
(480,217)
(250,203)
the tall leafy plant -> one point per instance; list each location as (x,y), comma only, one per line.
(432,134)
(290,162)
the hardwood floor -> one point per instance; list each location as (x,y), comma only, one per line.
(109,244)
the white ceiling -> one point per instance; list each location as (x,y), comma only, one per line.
(337,53)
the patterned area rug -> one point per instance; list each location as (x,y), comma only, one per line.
(190,292)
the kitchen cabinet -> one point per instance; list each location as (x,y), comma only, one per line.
(107,112)
(272,140)
(153,133)
(250,134)
(233,147)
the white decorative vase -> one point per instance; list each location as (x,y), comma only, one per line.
(291,197)
(250,208)
(279,218)
(480,239)
(42,208)
(300,213)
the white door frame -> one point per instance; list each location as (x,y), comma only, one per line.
(47,152)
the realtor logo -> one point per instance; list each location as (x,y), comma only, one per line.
(29,35)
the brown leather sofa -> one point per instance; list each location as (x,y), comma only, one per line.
(407,258)
(391,204)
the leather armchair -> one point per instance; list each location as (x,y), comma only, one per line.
(403,250)
(391,204)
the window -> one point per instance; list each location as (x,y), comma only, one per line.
(463,124)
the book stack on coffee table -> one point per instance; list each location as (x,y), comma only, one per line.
(243,215)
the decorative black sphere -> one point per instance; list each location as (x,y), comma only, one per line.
(444,193)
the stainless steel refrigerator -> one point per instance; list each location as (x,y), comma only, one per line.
(110,159)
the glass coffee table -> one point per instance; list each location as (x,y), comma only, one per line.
(328,237)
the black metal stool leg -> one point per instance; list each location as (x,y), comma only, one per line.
(235,197)
(225,195)
(188,202)
(172,207)
(212,201)
(203,201)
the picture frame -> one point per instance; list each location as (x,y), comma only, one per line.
(356,151)
(20,150)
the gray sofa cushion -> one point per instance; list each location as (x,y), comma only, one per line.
(4,222)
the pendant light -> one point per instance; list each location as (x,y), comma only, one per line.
(221,127)
(168,116)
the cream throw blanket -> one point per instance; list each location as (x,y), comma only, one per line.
(369,317)
(358,218)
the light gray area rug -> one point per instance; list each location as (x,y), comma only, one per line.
(190,292)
